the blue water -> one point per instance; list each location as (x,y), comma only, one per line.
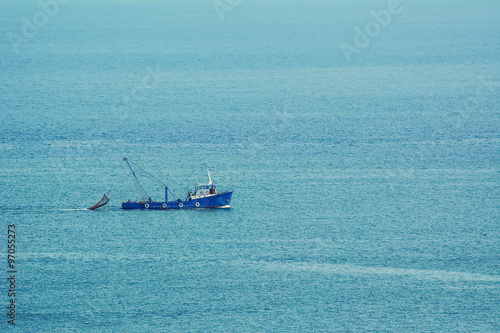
(366,186)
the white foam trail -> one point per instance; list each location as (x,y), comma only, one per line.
(345,269)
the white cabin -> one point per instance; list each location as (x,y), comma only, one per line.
(204,190)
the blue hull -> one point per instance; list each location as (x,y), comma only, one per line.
(213,201)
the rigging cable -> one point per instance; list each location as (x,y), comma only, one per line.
(150,175)
(154,178)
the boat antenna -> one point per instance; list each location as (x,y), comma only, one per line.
(209,178)
(145,195)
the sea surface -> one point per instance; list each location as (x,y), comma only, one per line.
(361,139)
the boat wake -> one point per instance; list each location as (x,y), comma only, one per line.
(36,209)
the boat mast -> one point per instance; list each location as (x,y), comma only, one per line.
(145,195)
(209,178)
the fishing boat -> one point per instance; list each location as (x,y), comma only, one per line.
(203,195)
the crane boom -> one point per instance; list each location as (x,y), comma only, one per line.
(144,193)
